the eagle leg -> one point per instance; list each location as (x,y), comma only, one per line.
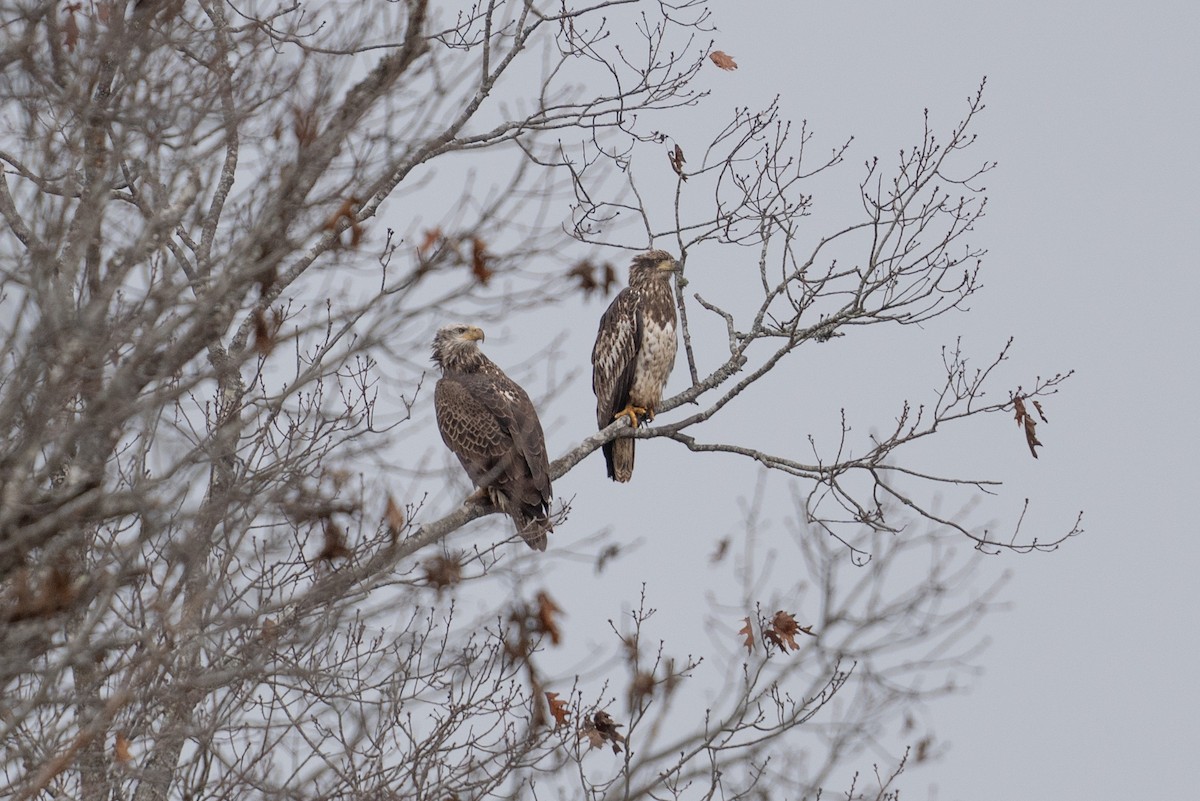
(636,414)
(481,495)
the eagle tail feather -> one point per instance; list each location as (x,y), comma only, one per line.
(618,455)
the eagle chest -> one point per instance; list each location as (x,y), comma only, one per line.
(655,359)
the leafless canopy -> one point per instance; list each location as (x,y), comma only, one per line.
(226,222)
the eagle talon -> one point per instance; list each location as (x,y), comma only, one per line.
(636,414)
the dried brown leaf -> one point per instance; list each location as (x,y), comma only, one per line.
(608,730)
(334,546)
(610,276)
(677,160)
(479,261)
(442,572)
(1019,410)
(782,631)
(71,27)
(1030,436)
(393,515)
(346,212)
(723,60)
(121,749)
(583,273)
(264,337)
(747,631)
(558,709)
(643,684)
(1026,421)
(546,614)
(430,238)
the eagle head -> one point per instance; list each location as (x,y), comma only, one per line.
(652,263)
(456,345)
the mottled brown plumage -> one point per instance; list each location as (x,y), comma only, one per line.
(634,354)
(491,426)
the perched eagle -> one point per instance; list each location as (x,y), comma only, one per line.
(491,426)
(634,353)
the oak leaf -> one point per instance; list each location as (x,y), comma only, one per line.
(747,631)
(782,631)
(677,161)
(600,728)
(582,272)
(723,60)
(1026,421)
(558,709)
(547,624)
(479,261)
(394,517)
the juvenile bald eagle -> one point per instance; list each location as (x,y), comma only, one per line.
(634,353)
(491,426)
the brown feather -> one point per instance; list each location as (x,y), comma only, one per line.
(634,352)
(490,424)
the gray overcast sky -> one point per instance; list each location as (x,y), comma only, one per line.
(1093,117)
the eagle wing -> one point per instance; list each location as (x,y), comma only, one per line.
(614,355)
(491,426)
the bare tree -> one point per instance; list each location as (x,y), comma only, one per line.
(208,590)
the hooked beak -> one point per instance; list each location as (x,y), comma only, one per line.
(474,334)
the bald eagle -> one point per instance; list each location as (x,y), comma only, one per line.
(634,353)
(491,426)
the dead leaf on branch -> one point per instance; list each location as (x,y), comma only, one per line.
(781,631)
(266,331)
(479,261)
(600,728)
(723,60)
(677,161)
(558,709)
(121,748)
(394,517)
(54,592)
(546,614)
(334,546)
(442,572)
(582,272)
(347,211)
(643,685)
(71,26)
(593,277)
(747,631)
(1025,420)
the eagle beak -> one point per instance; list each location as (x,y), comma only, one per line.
(668,265)
(474,334)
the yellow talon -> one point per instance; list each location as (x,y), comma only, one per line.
(634,413)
